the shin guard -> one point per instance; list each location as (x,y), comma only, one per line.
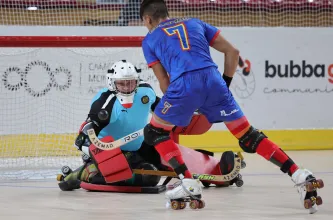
(111,164)
(276,155)
(170,152)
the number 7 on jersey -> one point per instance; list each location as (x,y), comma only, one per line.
(181,31)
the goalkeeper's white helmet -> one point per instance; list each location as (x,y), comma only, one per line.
(123,79)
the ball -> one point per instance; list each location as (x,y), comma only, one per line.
(103,115)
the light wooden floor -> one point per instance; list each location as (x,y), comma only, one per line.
(266,194)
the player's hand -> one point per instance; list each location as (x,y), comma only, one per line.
(82,140)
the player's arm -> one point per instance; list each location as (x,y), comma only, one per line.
(219,43)
(153,62)
(162,76)
(99,117)
(231,54)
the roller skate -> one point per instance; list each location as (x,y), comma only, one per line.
(68,180)
(238,181)
(307,186)
(65,170)
(186,191)
(86,158)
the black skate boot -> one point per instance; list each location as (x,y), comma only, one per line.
(71,180)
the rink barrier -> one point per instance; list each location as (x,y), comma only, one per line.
(24,145)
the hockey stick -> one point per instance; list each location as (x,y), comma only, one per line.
(133,136)
(218,178)
(115,144)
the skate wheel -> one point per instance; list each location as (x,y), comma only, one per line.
(309,187)
(175,205)
(60,177)
(307,204)
(320,183)
(319,200)
(182,205)
(194,204)
(239,183)
(201,204)
(243,164)
(85,158)
(66,170)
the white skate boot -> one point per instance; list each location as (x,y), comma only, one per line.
(307,186)
(187,190)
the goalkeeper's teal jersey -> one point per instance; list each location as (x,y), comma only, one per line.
(124,121)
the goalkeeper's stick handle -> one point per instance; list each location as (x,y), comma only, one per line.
(209,177)
(115,144)
(133,136)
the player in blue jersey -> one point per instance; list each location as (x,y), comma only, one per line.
(116,111)
(178,51)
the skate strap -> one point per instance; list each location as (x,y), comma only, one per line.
(112,164)
(305,182)
(286,165)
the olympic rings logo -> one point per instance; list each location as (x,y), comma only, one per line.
(24,82)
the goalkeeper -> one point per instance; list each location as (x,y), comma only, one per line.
(121,109)
(116,111)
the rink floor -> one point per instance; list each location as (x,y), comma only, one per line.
(266,194)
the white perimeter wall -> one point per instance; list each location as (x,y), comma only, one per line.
(294,98)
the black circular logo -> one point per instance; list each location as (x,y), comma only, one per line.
(145,99)
(24,82)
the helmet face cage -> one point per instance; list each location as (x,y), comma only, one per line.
(125,86)
(110,83)
(122,74)
(123,79)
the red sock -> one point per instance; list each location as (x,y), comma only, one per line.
(168,150)
(276,155)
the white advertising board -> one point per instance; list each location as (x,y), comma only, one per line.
(292,87)
(286,81)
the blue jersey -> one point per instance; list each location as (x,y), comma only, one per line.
(124,121)
(181,45)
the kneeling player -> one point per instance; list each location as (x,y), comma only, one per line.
(115,112)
